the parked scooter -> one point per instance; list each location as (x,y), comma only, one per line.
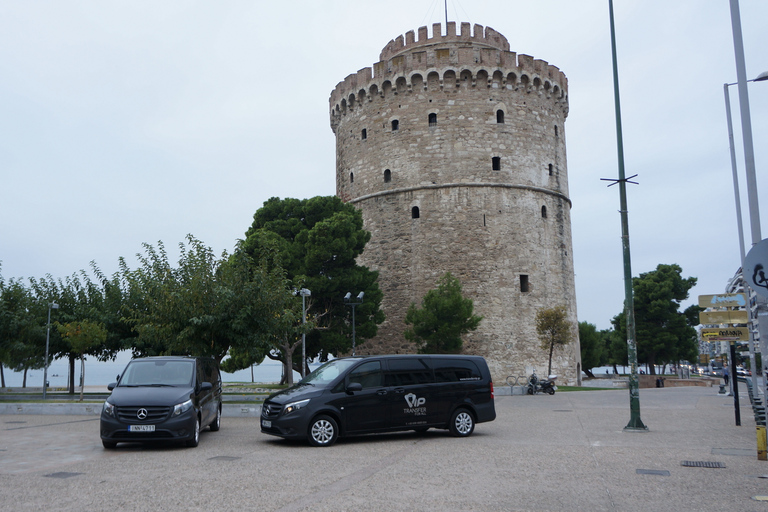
(536,385)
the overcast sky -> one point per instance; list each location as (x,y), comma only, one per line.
(131,122)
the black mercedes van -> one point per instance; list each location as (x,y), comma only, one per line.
(361,395)
(163,399)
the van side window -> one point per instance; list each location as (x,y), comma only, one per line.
(455,370)
(406,372)
(368,374)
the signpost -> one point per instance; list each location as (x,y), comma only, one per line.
(729,316)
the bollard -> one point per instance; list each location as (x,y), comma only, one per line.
(761,443)
(722,389)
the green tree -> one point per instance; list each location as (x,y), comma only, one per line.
(554,329)
(445,315)
(592,347)
(21,331)
(316,242)
(83,338)
(205,306)
(80,299)
(663,333)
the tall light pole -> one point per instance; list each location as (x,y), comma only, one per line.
(746,123)
(51,305)
(635,423)
(737,197)
(304,294)
(349,302)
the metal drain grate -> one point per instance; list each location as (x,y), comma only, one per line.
(62,474)
(701,464)
(224,457)
(659,472)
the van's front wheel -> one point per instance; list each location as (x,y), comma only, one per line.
(323,431)
(462,423)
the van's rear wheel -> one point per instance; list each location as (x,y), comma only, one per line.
(216,425)
(323,431)
(462,423)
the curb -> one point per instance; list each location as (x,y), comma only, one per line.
(94,409)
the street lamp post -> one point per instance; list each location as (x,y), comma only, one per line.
(51,305)
(349,302)
(737,197)
(304,294)
(635,422)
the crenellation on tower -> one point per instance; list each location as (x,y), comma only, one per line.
(453,148)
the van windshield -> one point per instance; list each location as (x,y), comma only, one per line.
(328,372)
(158,373)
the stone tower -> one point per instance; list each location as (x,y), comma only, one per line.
(453,148)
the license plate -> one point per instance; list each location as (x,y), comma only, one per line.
(266,423)
(141,428)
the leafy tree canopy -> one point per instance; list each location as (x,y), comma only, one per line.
(316,241)
(554,330)
(445,315)
(663,333)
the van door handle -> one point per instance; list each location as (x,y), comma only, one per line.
(399,390)
(381,392)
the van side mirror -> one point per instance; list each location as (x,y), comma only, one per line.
(111,386)
(206,386)
(354,386)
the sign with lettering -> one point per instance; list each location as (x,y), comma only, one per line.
(725,334)
(724,300)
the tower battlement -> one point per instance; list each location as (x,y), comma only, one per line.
(485,37)
(482,60)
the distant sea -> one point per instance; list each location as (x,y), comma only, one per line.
(101,373)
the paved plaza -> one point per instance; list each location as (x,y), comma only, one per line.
(558,453)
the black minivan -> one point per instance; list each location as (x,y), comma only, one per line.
(163,399)
(361,395)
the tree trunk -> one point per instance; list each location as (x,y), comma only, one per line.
(551,350)
(2,377)
(71,374)
(82,376)
(24,379)
(288,363)
(589,374)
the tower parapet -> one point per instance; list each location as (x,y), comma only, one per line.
(483,59)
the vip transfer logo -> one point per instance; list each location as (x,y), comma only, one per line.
(415,405)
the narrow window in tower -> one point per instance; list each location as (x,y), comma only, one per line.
(351,177)
(395,125)
(524,287)
(543,212)
(387,175)
(500,116)
(555,130)
(551,169)
(433,119)
(496,160)
(415,212)
(364,134)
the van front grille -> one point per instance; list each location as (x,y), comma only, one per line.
(270,409)
(154,414)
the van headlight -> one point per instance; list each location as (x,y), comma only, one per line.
(295,406)
(108,409)
(181,408)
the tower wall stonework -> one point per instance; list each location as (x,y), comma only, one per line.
(453,148)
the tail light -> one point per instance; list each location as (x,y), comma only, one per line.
(491,390)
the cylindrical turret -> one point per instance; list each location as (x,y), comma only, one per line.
(453,147)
